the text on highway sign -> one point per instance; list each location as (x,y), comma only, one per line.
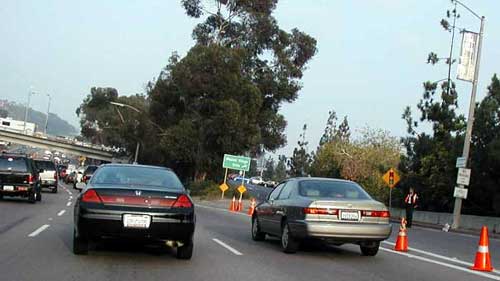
(463,177)
(461,162)
(233,162)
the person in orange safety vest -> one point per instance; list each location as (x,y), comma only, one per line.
(411,201)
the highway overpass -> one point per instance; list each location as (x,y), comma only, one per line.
(60,146)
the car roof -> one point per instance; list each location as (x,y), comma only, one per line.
(319,178)
(136,166)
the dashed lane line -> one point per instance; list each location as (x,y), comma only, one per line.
(39,230)
(231,249)
(61,213)
(69,204)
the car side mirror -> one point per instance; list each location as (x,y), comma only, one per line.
(80,186)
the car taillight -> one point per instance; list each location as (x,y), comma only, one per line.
(320,211)
(91,196)
(55,175)
(376,214)
(31,179)
(84,179)
(183,202)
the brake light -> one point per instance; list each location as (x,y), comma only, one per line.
(91,196)
(55,175)
(320,211)
(376,214)
(84,179)
(183,202)
(31,179)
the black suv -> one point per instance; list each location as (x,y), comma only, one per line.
(19,176)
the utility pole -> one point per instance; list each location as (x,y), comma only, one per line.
(48,111)
(470,120)
(30,92)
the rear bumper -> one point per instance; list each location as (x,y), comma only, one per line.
(164,226)
(48,182)
(19,190)
(355,232)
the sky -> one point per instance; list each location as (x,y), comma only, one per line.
(370,64)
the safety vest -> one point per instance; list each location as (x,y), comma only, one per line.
(411,199)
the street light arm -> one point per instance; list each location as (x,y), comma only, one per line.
(468,9)
(125,105)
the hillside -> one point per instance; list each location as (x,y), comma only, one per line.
(57,126)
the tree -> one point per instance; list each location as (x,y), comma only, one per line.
(280,172)
(301,160)
(269,171)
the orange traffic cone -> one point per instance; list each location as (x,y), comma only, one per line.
(402,242)
(232,205)
(240,205)
(483,262)
(252,207)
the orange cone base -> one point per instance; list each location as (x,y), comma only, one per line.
(401,244)
(482,269)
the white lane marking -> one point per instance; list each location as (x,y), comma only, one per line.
(50,219)
(69,204)
(222,210)
(39,230)
(71,197)
(61,213)
(494,277)
(454,259)
(231,249)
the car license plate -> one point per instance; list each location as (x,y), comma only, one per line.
(349,216)
(8,188)
(136,221)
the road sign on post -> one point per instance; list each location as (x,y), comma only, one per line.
(460,192)
(461,162)
(233,162)
(391,178)
(463,177)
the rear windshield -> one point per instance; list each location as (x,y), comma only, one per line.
(13,164)
(46,165)
(90,170)
(328,189)
(144,176)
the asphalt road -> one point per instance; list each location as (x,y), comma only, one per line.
(223,251)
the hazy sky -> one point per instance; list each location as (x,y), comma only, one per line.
(370,64)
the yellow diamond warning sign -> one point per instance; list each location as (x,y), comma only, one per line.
(391,178)
(242,189)
(223,187)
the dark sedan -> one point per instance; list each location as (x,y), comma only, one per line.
(138,202)
(335,211)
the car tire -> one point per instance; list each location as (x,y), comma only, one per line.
(54,190)
(32,197)
(288,243)
(80,245)
(257,234)
(1,196)
(185,252)
(371,250)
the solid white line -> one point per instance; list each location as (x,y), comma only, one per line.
(61,213)
(222,210)
(39,230)
(231,249)
(69,204)
(494,277)
(455,260)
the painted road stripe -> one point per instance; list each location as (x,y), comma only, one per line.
(231,249)
(220,209)
(61,213)
(39,230)
(69,204)
(483,274)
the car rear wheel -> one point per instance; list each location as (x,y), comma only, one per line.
(54,190)
(32,197)
(257,235)
(185,252)
(370,250)
(289,244)
(80,245)
(39,195)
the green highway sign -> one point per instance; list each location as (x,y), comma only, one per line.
(233,162)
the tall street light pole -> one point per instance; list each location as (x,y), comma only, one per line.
(123,121)
(470,120)
(48,111)
(26,110)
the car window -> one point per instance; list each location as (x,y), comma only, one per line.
(334,190)
(15,164)
(133,176)
(90,170)
(274,194)
(46,165)
(287,190)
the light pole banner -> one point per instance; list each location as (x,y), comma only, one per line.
(467,61)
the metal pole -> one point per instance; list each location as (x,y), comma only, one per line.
(26,111)
(48,111)
(390,198)
(451,49)
(470,122)
(136,152)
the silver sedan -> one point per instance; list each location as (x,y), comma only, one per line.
(332,210)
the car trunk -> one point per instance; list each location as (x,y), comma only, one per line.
(14,178)
(351,211)
(139,197)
